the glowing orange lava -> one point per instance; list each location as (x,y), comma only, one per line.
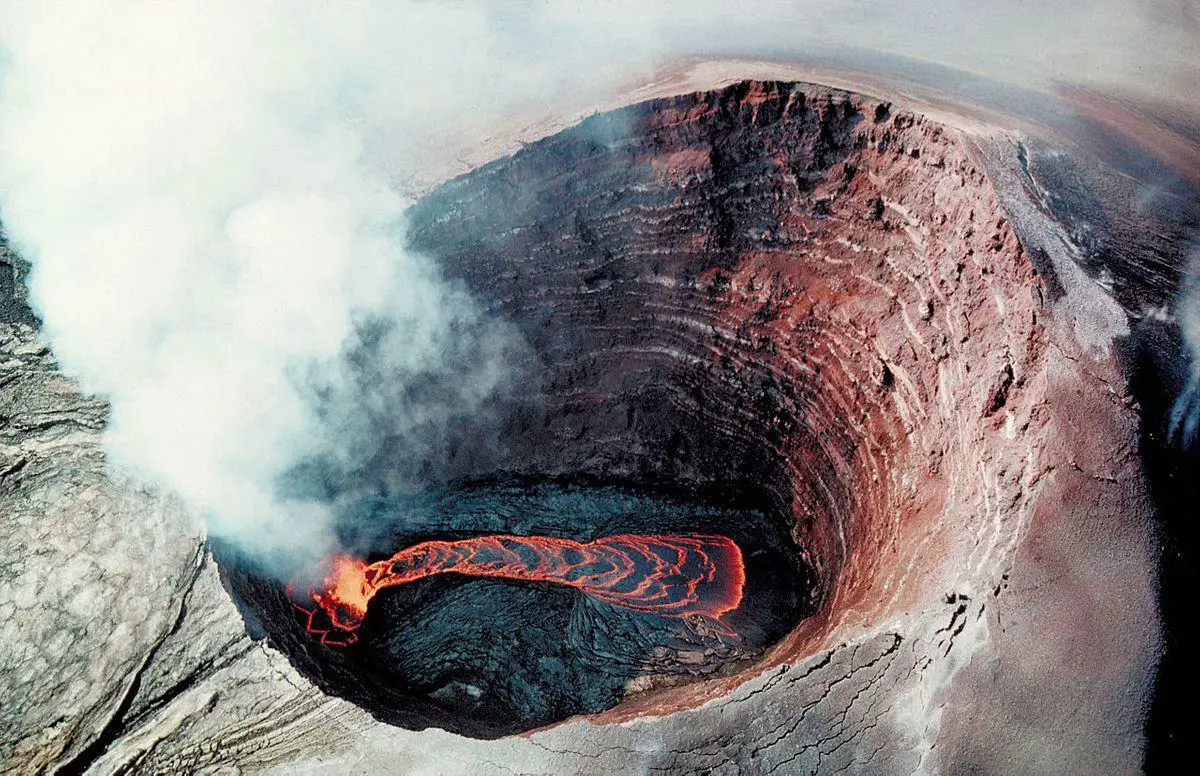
(675,576)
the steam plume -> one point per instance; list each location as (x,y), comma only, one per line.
(1185,414)
(212,243)
(207,193)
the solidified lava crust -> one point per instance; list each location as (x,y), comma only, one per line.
(775,289)
(487,656)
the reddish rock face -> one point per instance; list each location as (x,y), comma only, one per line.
(783,288)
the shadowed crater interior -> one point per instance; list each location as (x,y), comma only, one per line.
(779,313)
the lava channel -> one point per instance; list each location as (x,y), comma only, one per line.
(685,576)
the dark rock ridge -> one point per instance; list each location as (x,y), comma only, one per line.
(771,286)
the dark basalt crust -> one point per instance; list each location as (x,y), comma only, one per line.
(487,658)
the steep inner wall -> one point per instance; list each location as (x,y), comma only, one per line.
(771,295)
(775,287)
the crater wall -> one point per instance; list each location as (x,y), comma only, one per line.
(781,287)
(770,285)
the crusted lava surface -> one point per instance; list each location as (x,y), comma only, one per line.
(489,657)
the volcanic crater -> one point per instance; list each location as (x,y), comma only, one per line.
(785,314)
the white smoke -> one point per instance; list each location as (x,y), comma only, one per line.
(1185,414)
(207,192)
(205,223)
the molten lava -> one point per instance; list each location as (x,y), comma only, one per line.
(676,576)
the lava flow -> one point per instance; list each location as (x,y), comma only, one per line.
(675,576)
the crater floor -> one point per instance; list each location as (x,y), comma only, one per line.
(489,657)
